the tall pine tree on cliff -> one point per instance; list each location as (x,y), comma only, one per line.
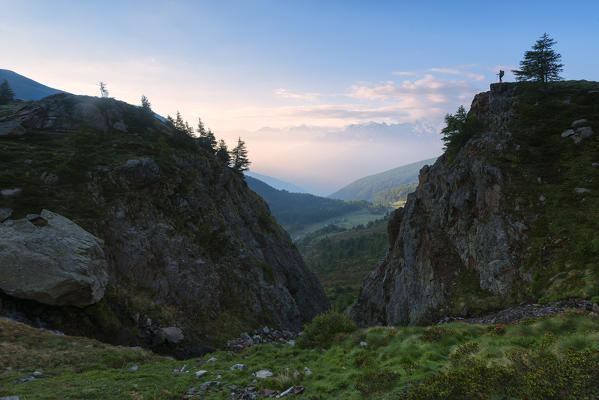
(542,63)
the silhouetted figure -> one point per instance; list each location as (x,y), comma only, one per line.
(501,74)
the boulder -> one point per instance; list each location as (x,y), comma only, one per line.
(172,334)
(52,260)
(5,213)
(11,128)
(263,374)
(140,172)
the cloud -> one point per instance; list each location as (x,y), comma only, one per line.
(428,85)
(404,73)
(297,96)
(453,71)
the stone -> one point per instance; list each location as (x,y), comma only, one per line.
(209,384)
(10,192)
(140,172)
(238,366)
(55,262)
(595,164)
(268,392)
(10,398)
(5,214)
(568,133)
(363,344)
(200,373)
(263,374)
(307,371)
(133,369)
(542,197)
(211,360)
(37,373)
(579,190)
(49,178)
(579,122)
(286,392)
(584,132)
(11,128)
(172,334)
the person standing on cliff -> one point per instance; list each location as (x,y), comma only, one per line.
(501,74)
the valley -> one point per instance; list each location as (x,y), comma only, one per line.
(452,251)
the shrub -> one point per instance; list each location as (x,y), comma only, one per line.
(463,351)
(376,381)
(435,333)
(323,328)
(363,359)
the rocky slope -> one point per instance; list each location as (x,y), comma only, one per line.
(511,217)
(192,256)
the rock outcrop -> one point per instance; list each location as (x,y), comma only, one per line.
(52,260)
(463,235)
(187,244)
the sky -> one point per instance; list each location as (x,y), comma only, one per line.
(323,92)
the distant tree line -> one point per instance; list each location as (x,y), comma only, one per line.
(237,158)
(6,93)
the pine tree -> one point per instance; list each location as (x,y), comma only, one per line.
(222,153)
(145,104)
(239,157)
(542,64)
(207,138)
(103,91)
(6,93)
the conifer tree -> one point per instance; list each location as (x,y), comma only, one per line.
(239,157)
(207,138)
(145,104)
(6,93)
(542,63)
(222,153)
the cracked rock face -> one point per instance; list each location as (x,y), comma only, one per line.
(454,222)
(50,259)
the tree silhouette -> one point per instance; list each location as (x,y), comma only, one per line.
(207,138)
(222,153)
(6,93)
(145,104)
(542,64)
(239,157)
(103,90)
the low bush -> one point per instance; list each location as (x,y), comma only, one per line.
(323,329)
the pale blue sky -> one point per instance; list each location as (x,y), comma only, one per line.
(243,65)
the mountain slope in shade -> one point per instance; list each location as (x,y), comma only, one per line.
(368,187)
(25,88)
(297,210)
(276,183)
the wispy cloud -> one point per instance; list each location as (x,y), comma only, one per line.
(405,73)
(428,85)
(297,96)
(454,71)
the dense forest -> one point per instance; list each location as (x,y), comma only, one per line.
(296,210)
(341,258)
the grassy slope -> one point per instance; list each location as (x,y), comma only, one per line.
(302,213)
(369,187)
(564,241)
(341,260)
(541,359)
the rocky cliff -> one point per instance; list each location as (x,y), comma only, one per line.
(512,216)
(192,256)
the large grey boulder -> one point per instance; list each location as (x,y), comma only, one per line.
(50,259)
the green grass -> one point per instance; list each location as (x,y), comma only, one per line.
(455,361)
(563,253)
(341,259)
